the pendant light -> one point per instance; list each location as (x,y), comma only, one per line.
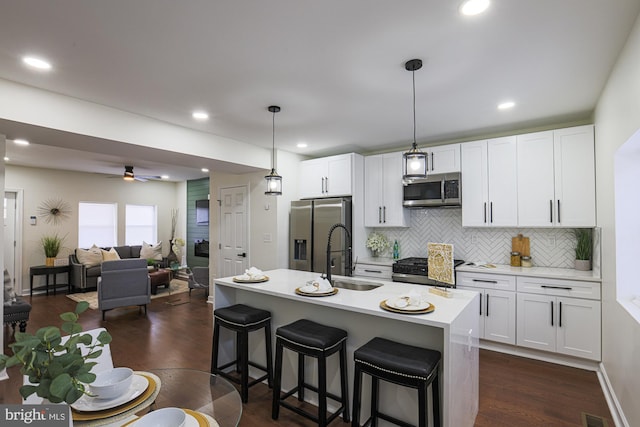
(414,161)
(274,181)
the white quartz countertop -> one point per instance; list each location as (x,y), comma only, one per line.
(546,272)
(283,283)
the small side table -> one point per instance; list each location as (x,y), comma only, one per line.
(43,270)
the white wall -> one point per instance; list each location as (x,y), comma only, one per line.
(617,117)
(73,187)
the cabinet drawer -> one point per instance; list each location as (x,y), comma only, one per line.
(486,281)
(565,288)
(372,270)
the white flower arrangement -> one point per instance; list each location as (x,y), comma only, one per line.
(378,242)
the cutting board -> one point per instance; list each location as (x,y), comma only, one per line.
(521,244)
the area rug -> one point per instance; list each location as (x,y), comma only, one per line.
(176,287)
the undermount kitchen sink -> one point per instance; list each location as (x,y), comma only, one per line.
(355,285)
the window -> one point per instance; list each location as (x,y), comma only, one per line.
(141,224)
(97,224)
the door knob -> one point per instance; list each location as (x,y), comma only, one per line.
(243,254)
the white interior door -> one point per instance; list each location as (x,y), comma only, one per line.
(10,235)
(233,231)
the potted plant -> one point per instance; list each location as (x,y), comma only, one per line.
(58,371)
(584,249)
(378,243)
(51,245)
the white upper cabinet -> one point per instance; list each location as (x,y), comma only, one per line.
(443,158)
(327,176)
(489,183)
(556,178)
(383,191)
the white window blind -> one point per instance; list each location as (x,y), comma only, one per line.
(141,224)
(97,224)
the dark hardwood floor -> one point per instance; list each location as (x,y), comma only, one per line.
(176,333)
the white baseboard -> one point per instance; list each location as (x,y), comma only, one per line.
(612,401)
(544,356)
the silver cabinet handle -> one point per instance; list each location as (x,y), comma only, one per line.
(384,214)
(432,164)
(550,210)
(326,185)
(491,212)
(485,212)
(379,215)
(559,221)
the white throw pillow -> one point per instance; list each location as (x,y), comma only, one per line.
(110,255)
(89,257)
(151,251)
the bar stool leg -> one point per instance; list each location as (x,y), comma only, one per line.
(374,401)
(322,391)
(275,407)
(357,390)
(267,340)
(300,377)
(435,390)
(344,384)
(214,350)
(423,403)
(243,358)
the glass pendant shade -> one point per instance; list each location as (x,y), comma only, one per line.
(274,184)
(274,181)
(414,163)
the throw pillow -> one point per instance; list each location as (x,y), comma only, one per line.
(110,255)
(151,251)
(10,295)
(89,257)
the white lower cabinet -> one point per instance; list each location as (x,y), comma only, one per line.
(559,316)
(552,320)
(497,308)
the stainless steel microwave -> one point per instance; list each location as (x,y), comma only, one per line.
(433,191)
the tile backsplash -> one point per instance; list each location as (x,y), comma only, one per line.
(550,247)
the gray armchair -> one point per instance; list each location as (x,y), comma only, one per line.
(122,283)
(199,279)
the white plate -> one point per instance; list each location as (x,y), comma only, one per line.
(190,421)
(87,403)
(422,306)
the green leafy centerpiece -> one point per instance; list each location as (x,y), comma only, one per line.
(57,371)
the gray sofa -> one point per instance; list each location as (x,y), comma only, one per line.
(83,278)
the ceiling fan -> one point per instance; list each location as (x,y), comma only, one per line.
(129,175)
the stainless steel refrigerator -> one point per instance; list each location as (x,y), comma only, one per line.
(309,225)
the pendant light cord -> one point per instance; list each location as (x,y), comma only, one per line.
(413,75)
(273,141)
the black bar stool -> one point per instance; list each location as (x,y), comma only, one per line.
(400,364)
(242,319)
(308,338)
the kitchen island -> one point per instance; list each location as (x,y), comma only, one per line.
(452,329)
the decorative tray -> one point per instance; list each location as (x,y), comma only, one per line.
(423,308)
(241,280)
(333,291)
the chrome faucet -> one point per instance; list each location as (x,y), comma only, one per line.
(348,255)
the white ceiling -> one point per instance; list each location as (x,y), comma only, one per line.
(335,67)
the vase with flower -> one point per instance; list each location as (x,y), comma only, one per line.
(377,243)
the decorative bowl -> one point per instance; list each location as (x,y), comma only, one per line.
(111,383)
(165,417)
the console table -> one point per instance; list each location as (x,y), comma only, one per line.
(44,270)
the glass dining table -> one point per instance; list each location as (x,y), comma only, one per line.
(210,400)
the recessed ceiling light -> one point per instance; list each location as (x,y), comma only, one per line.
(200,115)
(302,145)
(474,7)
(6,159)
(506,105)
(21,141)
(164,176)
(38,63)
(205,170)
